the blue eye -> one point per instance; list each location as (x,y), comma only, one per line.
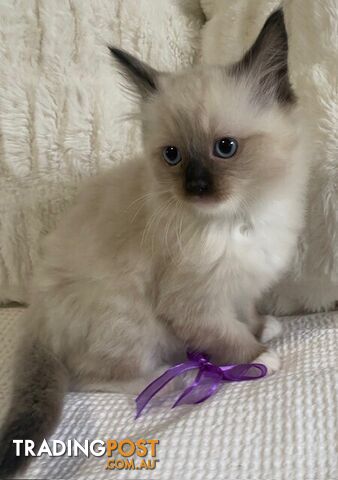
(171,155)
(225,147)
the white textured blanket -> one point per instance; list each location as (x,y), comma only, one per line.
(282,427)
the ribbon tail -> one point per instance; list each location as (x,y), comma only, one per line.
(243,372)
(154,387)
(197,393)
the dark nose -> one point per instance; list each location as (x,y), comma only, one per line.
(197,179)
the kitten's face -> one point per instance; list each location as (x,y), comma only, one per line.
(209,144)
(217,136)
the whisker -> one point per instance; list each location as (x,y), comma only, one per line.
(155,216)
(161,214)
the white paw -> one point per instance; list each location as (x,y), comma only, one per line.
(272,328)
(270,359)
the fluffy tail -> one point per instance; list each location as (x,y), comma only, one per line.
(35,407)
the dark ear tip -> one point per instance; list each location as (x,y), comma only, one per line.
(116,52)
(142,75)
(122,56)
(277,15)
(276,19)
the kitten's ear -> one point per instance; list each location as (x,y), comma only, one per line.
(267,61)
(141,75)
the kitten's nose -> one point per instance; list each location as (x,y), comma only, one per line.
(197,179)
(197,187)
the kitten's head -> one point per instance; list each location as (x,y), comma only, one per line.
(216,136)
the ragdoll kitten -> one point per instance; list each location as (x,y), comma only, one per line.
(171,250)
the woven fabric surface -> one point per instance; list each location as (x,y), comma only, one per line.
(282,427)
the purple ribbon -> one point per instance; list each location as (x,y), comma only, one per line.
(207,381)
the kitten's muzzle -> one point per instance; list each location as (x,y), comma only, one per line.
(198,180)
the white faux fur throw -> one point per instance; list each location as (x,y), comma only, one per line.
(312,25)
(62,110)
(63,115)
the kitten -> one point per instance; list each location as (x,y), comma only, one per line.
(171,250)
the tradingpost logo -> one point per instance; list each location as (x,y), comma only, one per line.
(125,454)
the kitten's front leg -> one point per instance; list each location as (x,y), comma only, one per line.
(264,327)
(243,347)
(225,339)
(272,328)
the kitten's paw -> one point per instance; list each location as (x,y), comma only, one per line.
(272,328)
(270,359)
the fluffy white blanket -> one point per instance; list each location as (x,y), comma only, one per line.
(282,427)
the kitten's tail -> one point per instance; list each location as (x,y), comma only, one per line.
(35,407)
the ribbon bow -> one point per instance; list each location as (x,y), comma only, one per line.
(207,381)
